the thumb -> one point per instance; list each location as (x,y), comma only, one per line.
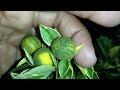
(104,18)
(69,25)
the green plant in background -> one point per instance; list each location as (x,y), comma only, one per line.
(108,65)
(51,58)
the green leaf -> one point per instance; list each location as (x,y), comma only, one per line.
(95,75)
(23,61)
(86,71)
(69,74)
(63,67)
(50,76)
(78,48)
(81,69)
(114,51)
(118,65)
(33,76)
(72,70)
(39,72)
(48,34)
(24,71)
(21,67)
(81,76)
(54,59)
(89,72)
(30,60)
(108,66)
(104,44)
(13,75)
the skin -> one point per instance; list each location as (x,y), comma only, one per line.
(15,25)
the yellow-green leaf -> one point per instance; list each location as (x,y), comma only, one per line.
(39,72)
(48,34)
(63,67)
(78,48)
(22,62)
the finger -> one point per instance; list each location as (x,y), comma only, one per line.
(18,20)
(7,51)
(104,18)
(70,26)
(13,27)
(7,56)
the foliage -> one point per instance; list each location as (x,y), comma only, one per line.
(62,69)
(108,65)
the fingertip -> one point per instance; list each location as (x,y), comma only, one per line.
(86,56)
(85,61)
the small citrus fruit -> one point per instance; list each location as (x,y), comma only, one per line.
(63,48)
(42,57)
(31,43)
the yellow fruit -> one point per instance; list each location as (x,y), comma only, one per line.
(42,57)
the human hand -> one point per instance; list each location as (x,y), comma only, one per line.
(17,24)
(13,27)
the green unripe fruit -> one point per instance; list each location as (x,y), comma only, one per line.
(31,43)
(63,48)
(42,57)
